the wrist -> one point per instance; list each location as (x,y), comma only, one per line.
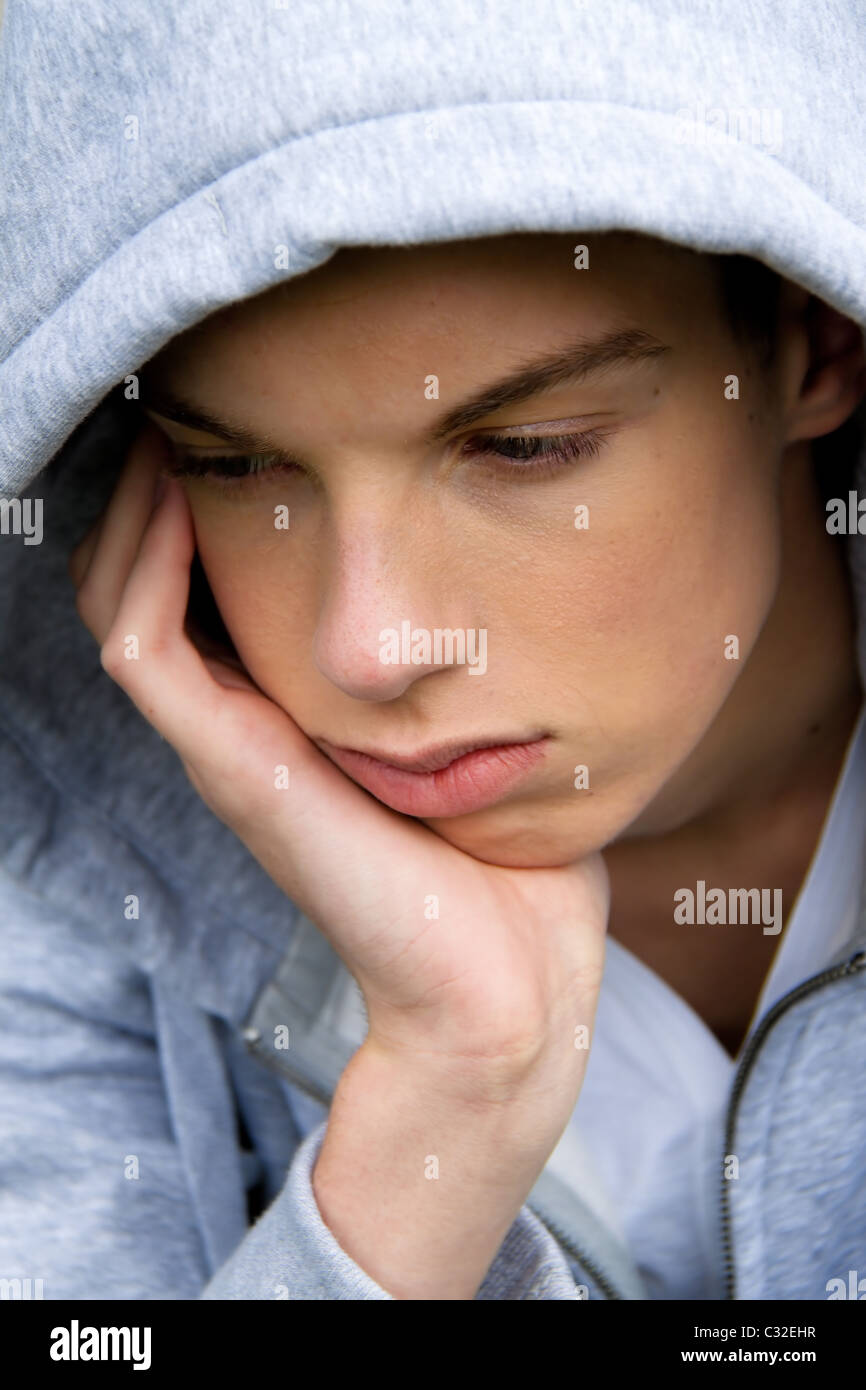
(497,1075)
(418,1180)
(391,1104)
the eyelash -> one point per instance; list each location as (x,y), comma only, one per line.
(537,456)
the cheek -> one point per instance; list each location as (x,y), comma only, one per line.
(262,602)
(645,620)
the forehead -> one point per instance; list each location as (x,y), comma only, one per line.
(477,293)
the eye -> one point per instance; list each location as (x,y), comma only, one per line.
(521,456)
(530,456)
(228,470)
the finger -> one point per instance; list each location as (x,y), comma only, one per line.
(232,752)
(80,557)
(149,653)
(115,543)
(230,676)
(146,649)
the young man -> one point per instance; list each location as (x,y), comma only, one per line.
(653,657)
(542,707)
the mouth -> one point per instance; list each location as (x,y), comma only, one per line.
(446,780)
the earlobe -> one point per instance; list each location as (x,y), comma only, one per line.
(834,382)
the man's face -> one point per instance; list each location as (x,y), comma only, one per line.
(605,583)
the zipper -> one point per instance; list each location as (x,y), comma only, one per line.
(577,1254)
(848,967)
(252,1036)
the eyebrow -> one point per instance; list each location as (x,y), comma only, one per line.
(575,362)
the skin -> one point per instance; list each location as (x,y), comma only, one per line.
(703,523)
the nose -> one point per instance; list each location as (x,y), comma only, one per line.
(375,588)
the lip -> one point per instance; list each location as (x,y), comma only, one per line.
(435,758)
(448,780)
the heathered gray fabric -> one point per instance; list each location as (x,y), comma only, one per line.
(128,1045)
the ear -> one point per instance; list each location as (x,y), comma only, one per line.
(829,368)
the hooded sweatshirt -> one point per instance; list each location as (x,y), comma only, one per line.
(159,162)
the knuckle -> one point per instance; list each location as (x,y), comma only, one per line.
(159,646)
(111,657)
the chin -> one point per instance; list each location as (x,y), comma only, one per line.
(513,848)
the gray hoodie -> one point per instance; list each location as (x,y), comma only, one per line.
(158,163)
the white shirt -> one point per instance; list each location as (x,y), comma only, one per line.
(644,1142)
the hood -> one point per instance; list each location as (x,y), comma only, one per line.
(162,161)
